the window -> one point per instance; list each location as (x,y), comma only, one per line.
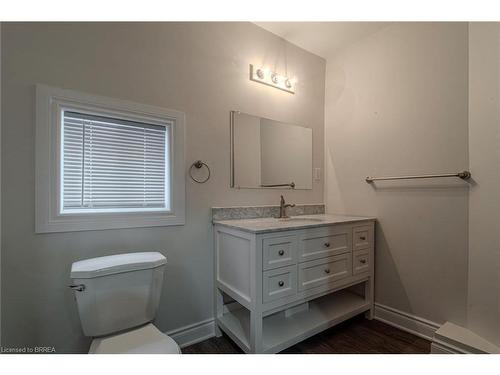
(104,163)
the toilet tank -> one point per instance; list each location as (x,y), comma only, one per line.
(117,292)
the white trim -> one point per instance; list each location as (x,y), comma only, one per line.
(49,104)
(193,333)
(407,322)
(437,348)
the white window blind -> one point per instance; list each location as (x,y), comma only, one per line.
(113,165)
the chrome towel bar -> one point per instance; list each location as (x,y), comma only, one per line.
(464,175)
(291,185)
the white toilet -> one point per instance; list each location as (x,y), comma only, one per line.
(117,299)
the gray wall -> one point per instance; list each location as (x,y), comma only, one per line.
(484,200)
(201,69)
(396,103)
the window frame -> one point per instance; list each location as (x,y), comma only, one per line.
(50,104)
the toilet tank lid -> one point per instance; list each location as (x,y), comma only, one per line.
(102,266)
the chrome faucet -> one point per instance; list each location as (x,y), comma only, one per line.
(283,207)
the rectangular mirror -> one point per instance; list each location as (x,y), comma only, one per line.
(269,154)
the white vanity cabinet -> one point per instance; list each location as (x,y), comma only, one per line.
(277,285)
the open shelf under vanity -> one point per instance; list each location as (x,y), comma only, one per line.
(286,328)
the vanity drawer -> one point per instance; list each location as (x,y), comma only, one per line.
(362,236)
(279,283)
(323,243)
(279,252)
(324,271)
(360,261)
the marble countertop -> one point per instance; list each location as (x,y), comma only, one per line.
(270,224)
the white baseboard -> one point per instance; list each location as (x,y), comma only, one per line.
(193,333)
(407,322)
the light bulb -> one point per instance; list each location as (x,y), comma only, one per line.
(274,78)
(260,73)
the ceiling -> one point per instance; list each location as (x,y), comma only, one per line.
(323,38)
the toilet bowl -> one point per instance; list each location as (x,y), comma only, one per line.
(144,340)
(117,298)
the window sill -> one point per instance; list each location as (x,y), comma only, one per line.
(102,221)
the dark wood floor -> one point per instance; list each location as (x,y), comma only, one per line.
(357,335)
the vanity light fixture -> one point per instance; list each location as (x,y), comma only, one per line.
(273,79)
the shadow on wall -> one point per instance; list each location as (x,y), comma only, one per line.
(336,85)
(389,272)
(416,260)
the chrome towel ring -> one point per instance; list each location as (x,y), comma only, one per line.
(198,164)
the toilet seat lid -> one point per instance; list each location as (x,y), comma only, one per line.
(144,340)
(111,264)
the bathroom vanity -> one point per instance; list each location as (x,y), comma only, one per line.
(280,281)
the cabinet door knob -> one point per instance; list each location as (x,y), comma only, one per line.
(362,261)
(362,238)
(281,283)
(327,244)
(327,270)
(281,252)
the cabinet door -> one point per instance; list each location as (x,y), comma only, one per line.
(279,283)
(325,242)
(360,261)
(362,237)
(324,271)
(279,252)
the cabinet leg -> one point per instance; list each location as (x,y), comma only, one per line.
(369,296)
(219,306)
(255,332)
(370,314)
(218,332)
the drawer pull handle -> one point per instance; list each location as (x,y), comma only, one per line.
(362,261)
(281,283)
(362,238)
(327,270)
(281,253)
(327,244)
